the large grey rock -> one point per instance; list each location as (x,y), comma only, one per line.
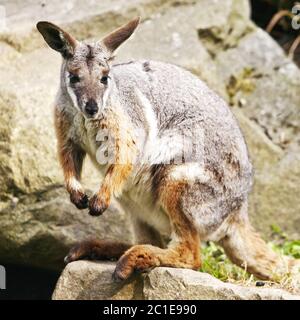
(277,176)
(38,229)
(259,75)
(84,280)
(274,199)
(85,19)
(28,156)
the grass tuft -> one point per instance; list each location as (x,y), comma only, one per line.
(216,263)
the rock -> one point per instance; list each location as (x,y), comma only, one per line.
(26,131)
(39,229)
(264,154)
(269,83)
(84,280)
(277,175)
(274,198)
(168,36)
(84,20)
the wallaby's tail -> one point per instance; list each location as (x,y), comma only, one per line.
(248,250)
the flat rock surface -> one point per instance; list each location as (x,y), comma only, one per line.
(85,280)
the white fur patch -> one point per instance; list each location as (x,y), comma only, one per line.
(75,184)
(189,172)
(106,94)
(157,149)
(150,117)
(166,149)
(71,94)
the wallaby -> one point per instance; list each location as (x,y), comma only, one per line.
(176,157)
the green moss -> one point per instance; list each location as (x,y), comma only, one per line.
(243,83)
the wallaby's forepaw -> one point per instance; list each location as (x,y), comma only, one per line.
(80,199)
(138,259)
(97,205)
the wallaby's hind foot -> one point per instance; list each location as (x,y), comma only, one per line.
(94,249)
(143,258)
(248,250)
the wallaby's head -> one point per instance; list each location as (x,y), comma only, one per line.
(85,70)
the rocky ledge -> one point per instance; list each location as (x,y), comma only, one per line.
(85,280)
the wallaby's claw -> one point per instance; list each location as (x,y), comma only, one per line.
(71,256)
(79,199)
(124,268)
(78,252)
(138,259)
(68,259)
(118,276)
(97,206)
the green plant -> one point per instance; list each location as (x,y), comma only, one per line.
(216,263)
(289,248)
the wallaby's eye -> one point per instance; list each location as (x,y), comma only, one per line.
(74,78)
(104,79)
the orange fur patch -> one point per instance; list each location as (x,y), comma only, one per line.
(124,152)
(65,149)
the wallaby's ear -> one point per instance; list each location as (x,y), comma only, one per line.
(113,40)
(57,38)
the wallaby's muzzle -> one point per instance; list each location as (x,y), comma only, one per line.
(91,108)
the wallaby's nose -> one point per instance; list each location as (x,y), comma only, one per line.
(91,107)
